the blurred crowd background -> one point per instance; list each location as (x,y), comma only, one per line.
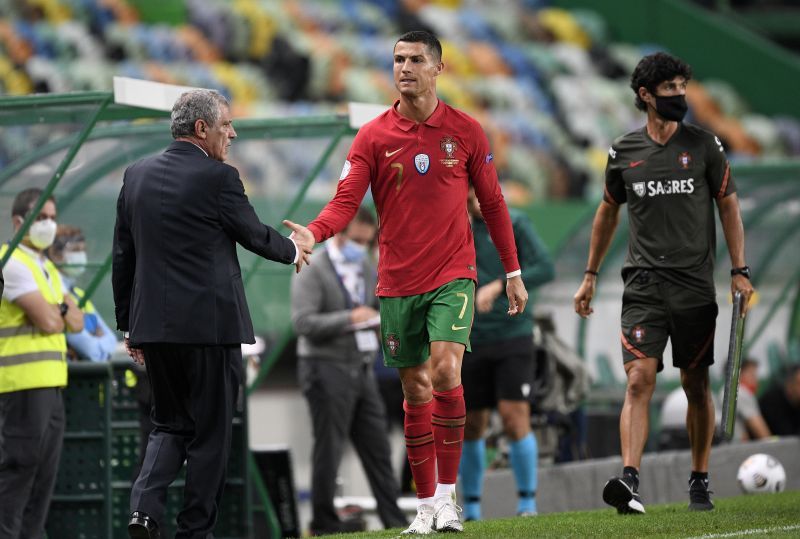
(550,85)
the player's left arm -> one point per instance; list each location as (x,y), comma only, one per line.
(724,191)
(483,176)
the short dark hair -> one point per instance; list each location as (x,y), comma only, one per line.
(654,69)
(365,216)
(66,234)
(25,200)
(196,105)
(423,36)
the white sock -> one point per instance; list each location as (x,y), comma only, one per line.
(444,490)
(424,501)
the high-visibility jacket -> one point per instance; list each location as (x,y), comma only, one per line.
(30,358)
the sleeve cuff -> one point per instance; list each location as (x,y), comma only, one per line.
(514,273)
(296,251)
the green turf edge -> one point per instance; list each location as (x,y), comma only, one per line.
(764,515)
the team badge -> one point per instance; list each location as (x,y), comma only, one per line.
(345,170)
(422,163)
(392,343)
(685,160)
(637,333)
(489,158)
(638,188)
(449,147)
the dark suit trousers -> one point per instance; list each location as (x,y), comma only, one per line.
(195,389)
(344,403)
(31,435)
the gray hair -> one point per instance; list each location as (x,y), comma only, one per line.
(195,105)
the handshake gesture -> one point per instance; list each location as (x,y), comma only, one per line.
(305,241)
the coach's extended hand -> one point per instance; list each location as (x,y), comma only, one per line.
(305,241)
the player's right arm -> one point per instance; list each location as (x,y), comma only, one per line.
(605,224)
(358,169)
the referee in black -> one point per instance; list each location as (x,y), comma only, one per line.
(670,173)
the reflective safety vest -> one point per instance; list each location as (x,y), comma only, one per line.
(77,295)
(30,358)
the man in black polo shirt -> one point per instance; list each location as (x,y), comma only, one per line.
(669,173)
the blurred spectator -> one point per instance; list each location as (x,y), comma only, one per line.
(750,424)
(34,313)
(780,404)
(334,313)
(96,341)
(499,372)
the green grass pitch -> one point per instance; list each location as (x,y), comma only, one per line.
(764,515)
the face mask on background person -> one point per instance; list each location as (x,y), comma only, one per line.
(42,233)
(75,263)
(353,252)
(671,107)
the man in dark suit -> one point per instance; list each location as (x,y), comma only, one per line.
(335,315)
(180,301)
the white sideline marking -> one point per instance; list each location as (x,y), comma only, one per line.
(752,531)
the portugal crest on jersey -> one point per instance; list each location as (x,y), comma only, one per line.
(685,159)
(449,147)
(422,162)
(638,188)
(392,343)
(637,333)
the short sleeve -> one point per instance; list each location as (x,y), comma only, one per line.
(18,280)
(718,169)
(614,192)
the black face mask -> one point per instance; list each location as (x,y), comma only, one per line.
(672,108)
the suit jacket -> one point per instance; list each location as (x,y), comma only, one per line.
(175,273)
(320,312)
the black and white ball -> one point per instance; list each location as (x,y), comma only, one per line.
(761,473)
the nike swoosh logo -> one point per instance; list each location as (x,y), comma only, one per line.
(456,328)
(451,442)
(635,163)
(423,461)
(389,154)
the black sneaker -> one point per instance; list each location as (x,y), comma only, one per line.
(699,495)
(620,492)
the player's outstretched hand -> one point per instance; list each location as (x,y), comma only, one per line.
(740,283)
(304,239)
(583,297)
(517,295)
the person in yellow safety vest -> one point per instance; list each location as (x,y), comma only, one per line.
(96,342)
(34,313)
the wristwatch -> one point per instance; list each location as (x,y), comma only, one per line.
(63,307)
(743,271)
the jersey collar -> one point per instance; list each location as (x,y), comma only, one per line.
(434,120)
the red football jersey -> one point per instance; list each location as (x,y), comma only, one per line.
(420,175)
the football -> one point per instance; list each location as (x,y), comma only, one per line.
(761,473)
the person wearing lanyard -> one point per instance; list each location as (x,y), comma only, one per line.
(334,313)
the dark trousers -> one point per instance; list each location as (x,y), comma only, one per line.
(195,389)
(344,403)
(31,435)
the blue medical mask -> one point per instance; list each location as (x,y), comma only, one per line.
(75,263)
(353,252)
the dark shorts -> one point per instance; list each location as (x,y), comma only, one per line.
(498,371)
(655,309)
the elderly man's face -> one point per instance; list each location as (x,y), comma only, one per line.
(218,137)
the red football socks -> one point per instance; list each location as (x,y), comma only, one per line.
(420,447)
(449,415)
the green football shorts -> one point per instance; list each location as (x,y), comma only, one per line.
(410,323)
